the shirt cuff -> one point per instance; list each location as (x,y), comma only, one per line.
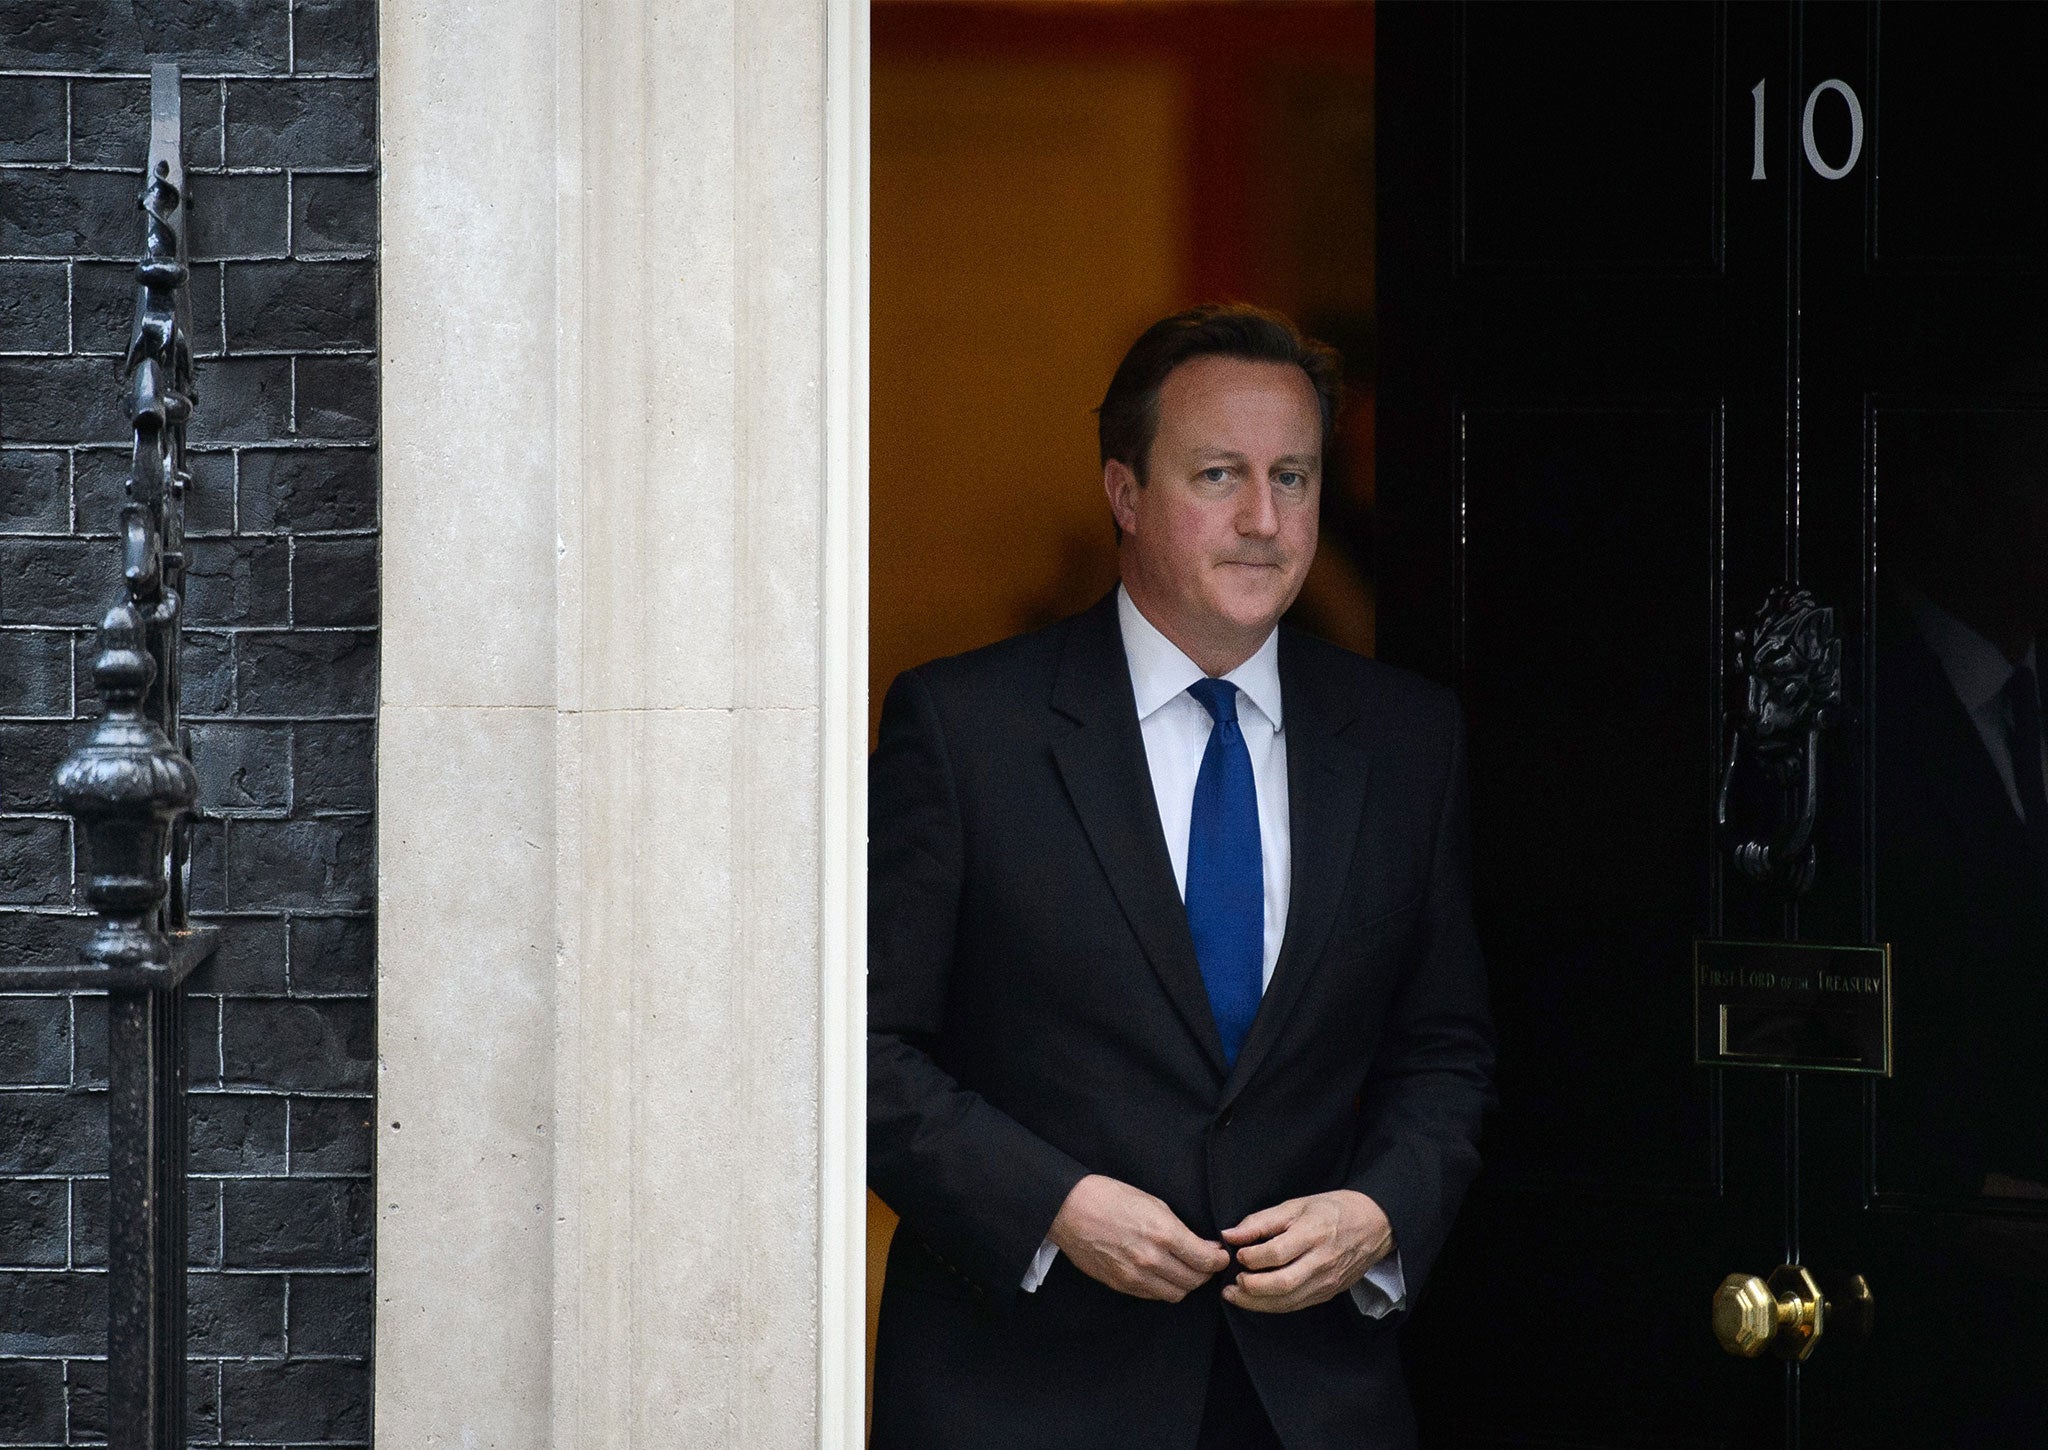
(1041,1265)
(1380,1292)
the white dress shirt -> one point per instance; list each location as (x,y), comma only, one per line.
(1978,672)
(1176,732)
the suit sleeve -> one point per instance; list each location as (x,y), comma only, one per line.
(973,1183)
(1430,1082)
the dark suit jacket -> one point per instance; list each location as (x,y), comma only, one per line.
(1036,1014)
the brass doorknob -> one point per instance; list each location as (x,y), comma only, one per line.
(1784,1314)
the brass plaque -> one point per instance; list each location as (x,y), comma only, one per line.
(1793,1005)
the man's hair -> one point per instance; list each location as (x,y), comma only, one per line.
(1128,419)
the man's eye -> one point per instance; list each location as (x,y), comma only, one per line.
(1217,474)
(1293,479)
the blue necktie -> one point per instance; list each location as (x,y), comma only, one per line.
(1226,892)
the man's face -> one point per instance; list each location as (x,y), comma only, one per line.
(1217,541)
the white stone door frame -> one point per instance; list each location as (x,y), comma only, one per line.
(623,724)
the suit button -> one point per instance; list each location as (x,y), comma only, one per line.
(1224,1120)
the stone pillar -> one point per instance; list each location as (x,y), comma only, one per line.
(619,850)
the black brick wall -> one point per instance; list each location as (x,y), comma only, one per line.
(280,689)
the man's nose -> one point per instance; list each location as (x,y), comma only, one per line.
(1258,517)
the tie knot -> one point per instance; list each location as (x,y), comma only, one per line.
(1218,697)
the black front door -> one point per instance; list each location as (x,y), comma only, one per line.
(1680,304)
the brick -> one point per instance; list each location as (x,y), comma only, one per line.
(249,960)
(70,213)
(242,400)
(34,495)
(206,673)
(100,480)
(333,213)
(223,35)
(53,1132)
(308,489)
(210,497)
(310,674)
(334,582)
(89,1223)
(323,1400)
(103,309)
(237,1314)
(302,123)
(64,400)
(87,1382)
(35,1040)
(297,1223)
(334,767)
(110,122)
(323,863)
(329,1314)
(29,756)
(325,1045)
(331,1135)
(238,216)
(31,118)
(332,955)
(320,863)
(56,581)
(243,767)
(237,1133)
(43,936)
(202,1043)
(209,870)
(35,307)
(53,1313)
(209,330)
(336,36)
(32,1401)
(237,581)
(281,306)
(33,869)
(35,1231)
(35,672)
(337,397)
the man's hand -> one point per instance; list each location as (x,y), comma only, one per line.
(1306,1250)
(1131,1241)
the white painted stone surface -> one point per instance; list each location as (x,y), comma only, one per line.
(620,821)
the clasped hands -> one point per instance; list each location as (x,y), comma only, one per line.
(1291,1256)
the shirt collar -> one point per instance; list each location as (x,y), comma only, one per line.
(1159,671)
(1977,670)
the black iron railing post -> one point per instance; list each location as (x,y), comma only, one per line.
(133,792)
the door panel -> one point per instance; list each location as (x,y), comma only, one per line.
(1587,554)
(1569,377)
(1579,155)
(1602,439)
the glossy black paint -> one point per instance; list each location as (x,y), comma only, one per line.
(1627,391)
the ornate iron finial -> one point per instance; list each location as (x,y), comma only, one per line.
(127,785)
(1792,659)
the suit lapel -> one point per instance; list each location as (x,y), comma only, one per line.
(1326,781)
(1103,766)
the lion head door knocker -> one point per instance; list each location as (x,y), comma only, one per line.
(1792,661)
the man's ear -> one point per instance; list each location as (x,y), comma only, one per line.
(1122,487)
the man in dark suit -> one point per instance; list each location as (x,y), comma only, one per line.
(1177,1032)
